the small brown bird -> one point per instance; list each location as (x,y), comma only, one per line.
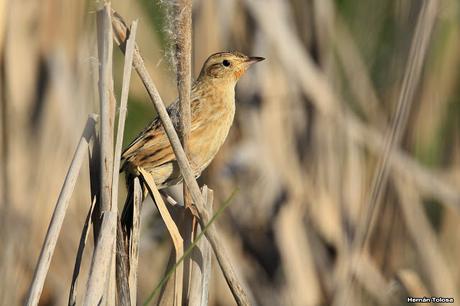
(212,112)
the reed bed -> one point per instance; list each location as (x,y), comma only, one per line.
(338,184)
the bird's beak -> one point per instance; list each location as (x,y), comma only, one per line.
(245,65)
(254,59)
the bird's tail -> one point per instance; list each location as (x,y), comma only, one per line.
(126,218)
(127,213)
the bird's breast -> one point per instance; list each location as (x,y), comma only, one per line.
(211,123)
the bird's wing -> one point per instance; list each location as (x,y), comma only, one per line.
(152,147)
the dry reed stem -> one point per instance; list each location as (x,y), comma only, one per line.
(59,213)
(134,240)
(212,235)
(122,263)
(110,295)
(102,258)
(107,107)
(79,257)
(201,260)
(122,274)
(4,125)
(166,294)
(173,231)
(123,109)
(187,224)
(183,28)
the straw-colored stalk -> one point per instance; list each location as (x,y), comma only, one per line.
(60,210)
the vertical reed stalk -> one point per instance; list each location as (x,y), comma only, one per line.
(183,30)
(59,213)
(102,270)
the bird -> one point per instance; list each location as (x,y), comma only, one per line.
(212,109)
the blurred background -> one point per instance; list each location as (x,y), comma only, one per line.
(302,154)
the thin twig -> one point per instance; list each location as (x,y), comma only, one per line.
(59,213)
(212,235)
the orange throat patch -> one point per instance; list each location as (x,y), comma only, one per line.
(239,73)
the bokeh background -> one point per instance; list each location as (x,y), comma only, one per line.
(302,154)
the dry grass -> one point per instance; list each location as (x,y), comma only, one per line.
(309,132)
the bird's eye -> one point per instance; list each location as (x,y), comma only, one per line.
(226,63)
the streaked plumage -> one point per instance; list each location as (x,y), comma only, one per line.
(212,112)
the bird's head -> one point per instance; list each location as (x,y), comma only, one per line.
(227,66)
